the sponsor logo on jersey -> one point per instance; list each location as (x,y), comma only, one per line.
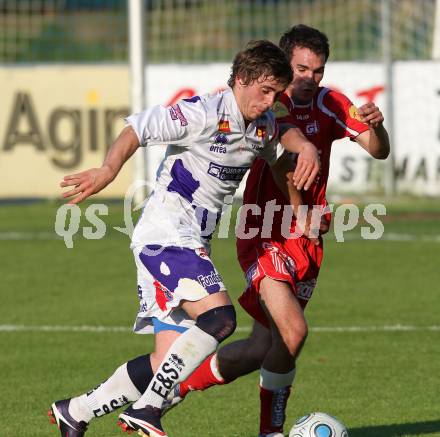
(305,289)
(261,132)
(302,116)
(280,110)
(176,114)
(312,128)
(223,126)
(212,278)
(220,140)
(218,149)
(226,173)
(353,112)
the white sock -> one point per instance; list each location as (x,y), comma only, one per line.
(182,358)
(274,381)
(113,393)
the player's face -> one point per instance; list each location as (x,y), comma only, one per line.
(257,97)
(308,71)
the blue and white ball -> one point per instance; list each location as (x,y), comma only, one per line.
(318,425)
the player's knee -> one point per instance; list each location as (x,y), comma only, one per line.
(219,322)
(295,338)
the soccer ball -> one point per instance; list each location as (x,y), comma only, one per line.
(318,425)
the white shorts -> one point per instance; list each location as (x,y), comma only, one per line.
(168,275)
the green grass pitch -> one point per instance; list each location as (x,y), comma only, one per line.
(381,382)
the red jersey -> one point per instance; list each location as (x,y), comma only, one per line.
(330,116)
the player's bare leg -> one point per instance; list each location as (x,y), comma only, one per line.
(215,321)
(162,342)
(289,332)
(227,364)
(244,356)
(274,351)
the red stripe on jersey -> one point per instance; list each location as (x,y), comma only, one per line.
(342,110)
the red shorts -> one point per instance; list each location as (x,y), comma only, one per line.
(295,261)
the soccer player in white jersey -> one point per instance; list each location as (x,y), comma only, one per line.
(212,141)
(282,272)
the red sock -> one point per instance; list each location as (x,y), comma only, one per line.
(273,409)
(205,376)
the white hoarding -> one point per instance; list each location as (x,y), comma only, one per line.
(56,120)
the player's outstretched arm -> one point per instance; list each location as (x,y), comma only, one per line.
(92,181)
(375,141)
(308,223)
(307,166)
(282,173)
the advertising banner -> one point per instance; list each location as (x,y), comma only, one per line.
(61,119)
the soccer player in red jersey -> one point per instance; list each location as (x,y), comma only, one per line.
(282,272)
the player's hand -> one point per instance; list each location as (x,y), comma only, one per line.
(86,183)
(371,115)
(307,167)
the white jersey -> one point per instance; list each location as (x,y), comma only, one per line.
(209,151)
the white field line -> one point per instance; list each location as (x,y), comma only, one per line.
(394,236)
(105,329)
(350,236)
(12,236)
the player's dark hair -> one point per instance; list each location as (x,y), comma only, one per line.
(261,59)
(307,37)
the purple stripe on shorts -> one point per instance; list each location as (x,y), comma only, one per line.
(171,264)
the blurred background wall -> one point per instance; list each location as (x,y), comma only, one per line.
(65,80)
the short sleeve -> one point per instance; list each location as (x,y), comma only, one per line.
(178,124)
(344,112)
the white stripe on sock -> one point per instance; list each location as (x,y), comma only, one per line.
(273,381)
(214,368)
